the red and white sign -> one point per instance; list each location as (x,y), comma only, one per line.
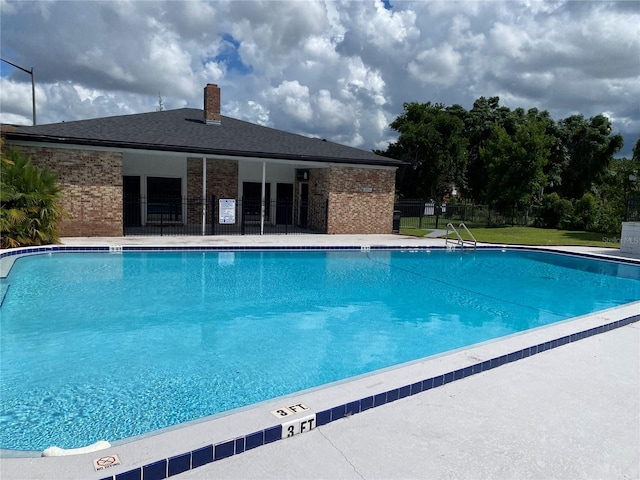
(105,462)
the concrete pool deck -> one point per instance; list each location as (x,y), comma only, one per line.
(568,412)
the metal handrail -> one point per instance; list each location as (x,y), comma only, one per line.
(446,237)
(460,241)
(473,239)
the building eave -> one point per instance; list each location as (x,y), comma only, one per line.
(191,150)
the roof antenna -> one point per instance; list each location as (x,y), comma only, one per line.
(160,106)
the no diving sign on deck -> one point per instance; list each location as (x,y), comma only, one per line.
(105,462)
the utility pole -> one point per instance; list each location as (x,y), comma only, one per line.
(33,85)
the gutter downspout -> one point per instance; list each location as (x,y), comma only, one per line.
(262,203)
(204,196)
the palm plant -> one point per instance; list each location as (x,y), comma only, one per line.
(30,202)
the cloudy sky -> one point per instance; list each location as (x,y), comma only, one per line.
(339,70)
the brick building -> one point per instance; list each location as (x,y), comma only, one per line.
(125,174)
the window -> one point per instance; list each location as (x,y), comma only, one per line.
(252,200)
(164,199)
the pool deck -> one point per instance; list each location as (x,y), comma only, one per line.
(572,411)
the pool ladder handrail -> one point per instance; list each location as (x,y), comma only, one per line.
(460,241)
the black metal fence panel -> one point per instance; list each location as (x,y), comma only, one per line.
(192,216)
(427,215)
(632,213)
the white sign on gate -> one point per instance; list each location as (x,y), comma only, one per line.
(227,210)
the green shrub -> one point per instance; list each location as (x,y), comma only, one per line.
(584,213)
(608,219)
(30,207)
(555,212)
(593,214)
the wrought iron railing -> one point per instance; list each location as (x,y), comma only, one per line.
(191,216)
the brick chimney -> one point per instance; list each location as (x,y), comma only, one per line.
(212,104)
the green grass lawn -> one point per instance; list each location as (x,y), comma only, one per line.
(533,236)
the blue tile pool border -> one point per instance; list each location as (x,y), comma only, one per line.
(116,249)
(230,248)
(238,445)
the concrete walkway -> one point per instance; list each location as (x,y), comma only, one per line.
(568,413)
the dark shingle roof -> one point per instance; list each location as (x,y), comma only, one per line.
(184,130)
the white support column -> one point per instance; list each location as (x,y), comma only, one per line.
(264,176)
(204,195)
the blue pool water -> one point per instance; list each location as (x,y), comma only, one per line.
(103,346)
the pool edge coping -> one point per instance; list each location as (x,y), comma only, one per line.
(8,256)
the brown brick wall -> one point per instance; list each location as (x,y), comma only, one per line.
(212,103)
(222,180)
(318,188)
(352,211)
(92,186)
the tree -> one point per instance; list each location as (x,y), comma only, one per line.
(485,114)
(620,184)
(590,147)
(516,162)
(633,170)
(30,202)
(557,159)
(432,141)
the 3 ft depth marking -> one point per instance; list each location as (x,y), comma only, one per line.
(290,410)
(300,425)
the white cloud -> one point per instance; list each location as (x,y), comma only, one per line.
(339,70)
(168,60)
(320,49)
(194,19)
(293,99)
(509,40)
(249,111)
(386,28)
(436,65)
(16,102)
(213,72)
(445,8)
(462,36)
(331,112)
(363,79)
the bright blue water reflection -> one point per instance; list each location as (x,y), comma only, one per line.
(100,346)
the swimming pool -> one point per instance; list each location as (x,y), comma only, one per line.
(145,340)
